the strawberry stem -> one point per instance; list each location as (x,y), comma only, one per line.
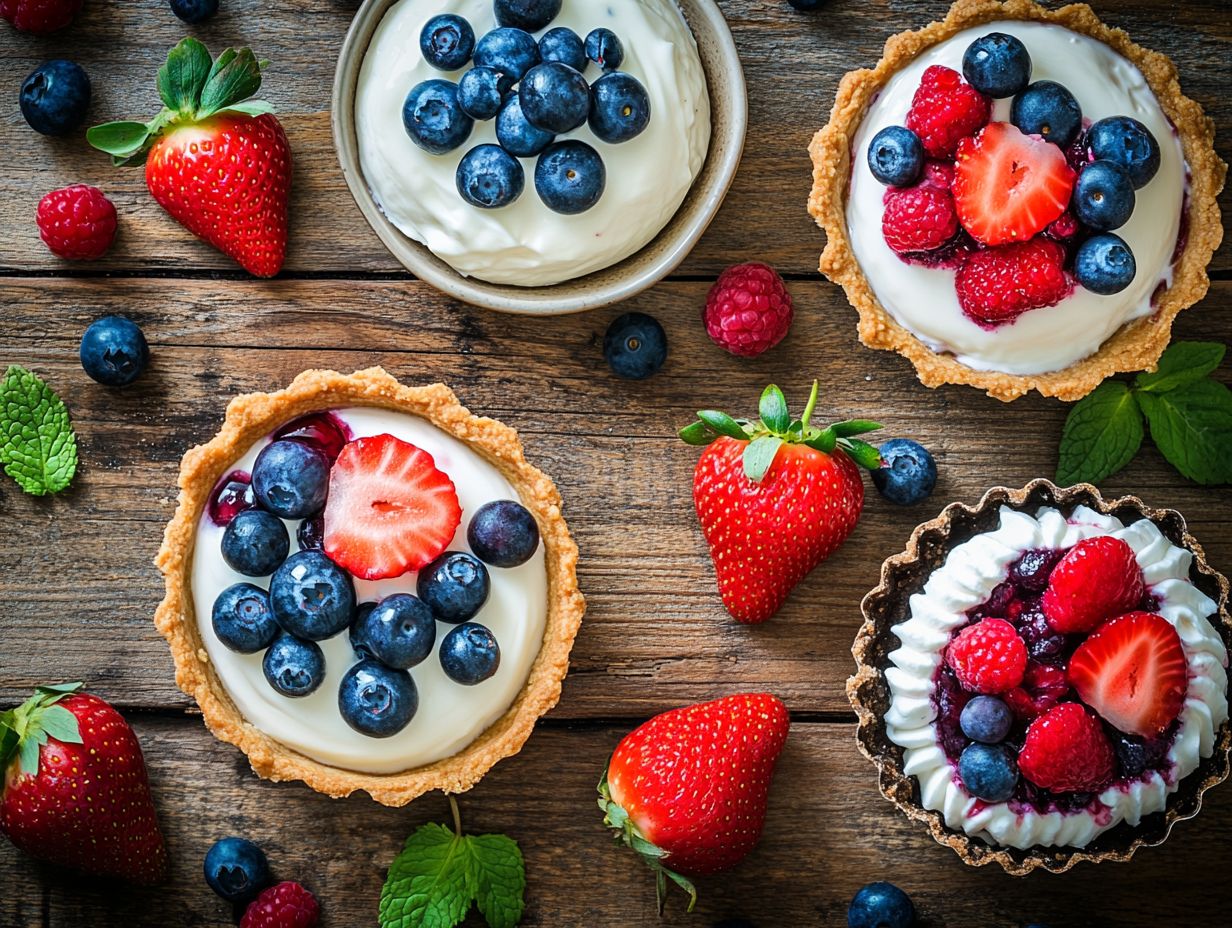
(28,727)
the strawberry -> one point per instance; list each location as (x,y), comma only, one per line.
(218,162)
(1008,187)
(75,787)
(1133,672)
(389,510)
(1097,579)
(687,790)
(775,498)
(944,110)
(997,285)
(1067,751)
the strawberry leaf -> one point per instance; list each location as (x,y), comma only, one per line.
(724,424)
(854,427)
(1183,363)
(235,76)
(696,434)
(8,738)
(862,453)
(1102,433)
(250,108)
(183,75)
(1192,427)
(28,752)
(61,724)
(121,139)
(773,410)
(759,455)
(822,440)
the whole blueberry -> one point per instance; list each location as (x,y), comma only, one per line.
(433,117)
(455,586)
(55,96)
(243,618)
(311,534)
(470,654)
(513,51)
(619,107)
(1136,755)
(988,771)
(1103,197)
(570,177)
(1047,109)
(376,700)
(635,346)
(489,177)
(997,64)
(986,719)
(291,479)
(563,45)
(555,97)
(907,474)
(236,869)
(481,91)
(531,15)
(503,533)
(1104,264)
(447,42)
(515,133)
(399,631)
(896,156)
(359,644)
(294,667)
(1128,144)
(114,351)
(255,543)
(604,48)
(194,11)
(312,596)
(881,905)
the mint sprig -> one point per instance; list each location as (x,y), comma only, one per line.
(38,447)
(1188,414)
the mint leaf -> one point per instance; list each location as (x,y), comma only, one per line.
(499,877)
(1183,363)
(759,455)
(1102,434)
(37,446)
(1192,427)
(183,75)
(429,883)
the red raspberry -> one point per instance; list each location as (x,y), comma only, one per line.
(748,310)
(988,657)
(1067,751)
(1043,686)
(946,109)
(1063,229)
(918,219)
(1098,578)
(287,905)
(999,284)
(39,15)
(939,174)
(77,222)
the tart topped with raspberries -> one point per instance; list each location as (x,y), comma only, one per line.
(1018,199)
(368,587)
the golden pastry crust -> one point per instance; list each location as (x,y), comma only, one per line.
(886,606)
(252,416)
(1138,344)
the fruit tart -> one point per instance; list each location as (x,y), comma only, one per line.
(1017,199)
(368,587)
(1042,679)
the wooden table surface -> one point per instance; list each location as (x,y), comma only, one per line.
(78,589)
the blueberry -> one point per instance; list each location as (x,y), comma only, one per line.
(516,135)
(482,91)
(376,700)
(399,631)
(243,619)
(570,177)
(503,533)
(255,543)
(447,42)
(605,49)
(194,11)
(294,667)
(988,771)
(896,156)
(531,15)
(1128,144)
(1104,264)
(513,51)
(563,45)
(881,905)
(312,596)
(986,719)
(619,107)
(555,97)
(114,351)
(635,346)
(236,869)
(489,177)
(291,479)
(455,586)
(1136,755)
(359,644)
(470,654)
(1047,109)
(311,534)
(1103,196)
(907,474)
(55,96)
(433,117)
(997,64)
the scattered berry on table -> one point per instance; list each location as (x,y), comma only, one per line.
(944,110)
(1105,264)
(635,346)
(447,42)
(988,656)
(1066,751)
(376,700)
(313,598)
(1097,579)
(255,543)
(454,586)
(489,177)
(907,474)
(294,667)
(55,97)
(1128,144)
(986,719)
(512,51)
(515,133)
(988,772)
(748,310)
(619,107)
(604,48)
(311,534)
(77,223)
(481,91)
(236,869)
(881,905)
(470,654)
(231,496)
(554,97)
(563,45)
(39,16)
(896,156)
(503,533)
(291,479)
(570,177)
(918,219)
(287,905)
(399,631)
(999,284)
(243,618)
(997,64)
(1103,196)
(531,15)
(114,351)
(194,11)
(433,117)
(1047,109)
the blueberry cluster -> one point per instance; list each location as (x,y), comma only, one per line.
(535,90)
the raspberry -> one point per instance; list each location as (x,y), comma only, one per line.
(945,109)
(77,222)
(1067,751)
(748,310)
(1098,578)
(39,15)
(999,284)
(1043,686)
(939,174)
(1064,228)
(287,905)
(918,219)
(988,657)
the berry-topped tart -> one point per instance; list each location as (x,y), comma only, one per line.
(368,587)
(1018,199)
(1043,678)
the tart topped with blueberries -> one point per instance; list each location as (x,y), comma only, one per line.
(368,587)
(1018,199)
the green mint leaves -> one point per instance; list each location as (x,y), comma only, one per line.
(440,873)
(1188,414)
(38,448)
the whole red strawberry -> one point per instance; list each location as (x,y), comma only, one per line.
(77,222)
(287,905)
(75,787)
(39,15)
(687,790)
(218,162)
(775,497)
(748,310)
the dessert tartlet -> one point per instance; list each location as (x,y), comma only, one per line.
(1017,199)
(368,587)
(1042,678)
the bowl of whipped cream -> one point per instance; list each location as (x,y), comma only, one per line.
(539,156)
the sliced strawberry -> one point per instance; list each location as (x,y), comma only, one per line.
(390,510)
(1132,671)
(1008,187)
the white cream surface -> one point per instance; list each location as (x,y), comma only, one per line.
(923,299)
(450,715)
(966,580)
(525,243)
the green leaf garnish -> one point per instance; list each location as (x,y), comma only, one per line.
(1102,434)
(1192,428)
(500,879)
(38,447)
(773,410)
(1183,363)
